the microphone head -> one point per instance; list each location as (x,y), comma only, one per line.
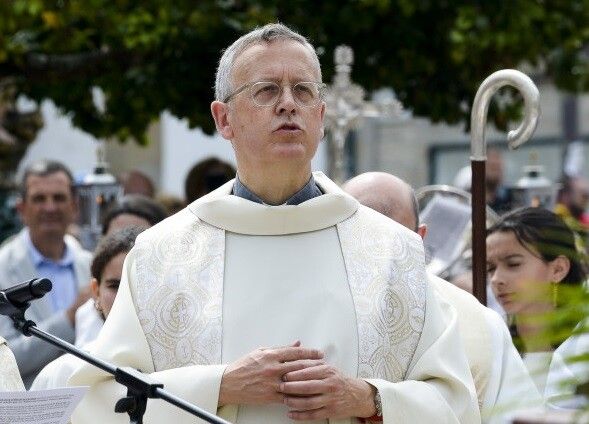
(40,286)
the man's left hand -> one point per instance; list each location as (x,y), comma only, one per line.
(323,392)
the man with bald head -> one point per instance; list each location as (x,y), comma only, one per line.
(389,195)
(501,380)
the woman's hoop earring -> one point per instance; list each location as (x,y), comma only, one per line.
(97,305)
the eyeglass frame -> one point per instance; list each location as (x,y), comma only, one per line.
(321,86)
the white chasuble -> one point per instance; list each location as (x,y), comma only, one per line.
(500,377)
(226,276)
(10,380)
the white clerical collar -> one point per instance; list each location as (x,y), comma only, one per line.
(231,213)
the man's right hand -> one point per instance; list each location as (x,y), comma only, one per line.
(255,378)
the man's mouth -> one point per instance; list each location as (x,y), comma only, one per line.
(288,127)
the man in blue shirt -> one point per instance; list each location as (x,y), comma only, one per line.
(42,249)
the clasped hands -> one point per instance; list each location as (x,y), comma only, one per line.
(299,378)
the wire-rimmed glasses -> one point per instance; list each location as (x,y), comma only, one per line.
(267,93)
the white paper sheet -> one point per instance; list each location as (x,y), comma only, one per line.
(446,219)
(53,406)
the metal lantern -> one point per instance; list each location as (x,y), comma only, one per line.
(96,193)
(533,189)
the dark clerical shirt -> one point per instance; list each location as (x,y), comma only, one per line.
(309,191)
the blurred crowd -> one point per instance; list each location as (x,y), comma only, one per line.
(48,244)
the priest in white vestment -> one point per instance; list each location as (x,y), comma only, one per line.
(502,382)
(10,380)
(278,298)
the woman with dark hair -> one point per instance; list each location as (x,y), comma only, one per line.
(106,269)
(133,210)
(530,254)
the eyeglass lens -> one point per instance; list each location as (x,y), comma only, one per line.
(267,93)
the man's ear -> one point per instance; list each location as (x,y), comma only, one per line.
(422,230)
(19,205)
(559,268)
(20,208)
(220,113)
(322,121)
(76,206)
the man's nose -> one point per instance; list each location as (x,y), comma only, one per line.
(49,204)
(286,101)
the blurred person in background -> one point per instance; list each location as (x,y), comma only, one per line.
(133,209)
(496,194)
(206,176)
(172,204)
(531,253)
(43,249)
(107,267)
(572,201)
(136,182)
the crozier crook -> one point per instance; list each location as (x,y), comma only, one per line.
(515,138)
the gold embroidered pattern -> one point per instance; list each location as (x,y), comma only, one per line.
(179,291)
(386,273)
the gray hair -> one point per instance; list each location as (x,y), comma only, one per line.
(266,34)
(44,168)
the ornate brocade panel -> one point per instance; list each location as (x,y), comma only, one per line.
(386,273)
(179,294)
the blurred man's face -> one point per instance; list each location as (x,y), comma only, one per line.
(580,195)
(49,206)
(493,173)
(494,166)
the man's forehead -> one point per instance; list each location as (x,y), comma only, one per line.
(55,180)
(581,184)
(258,58)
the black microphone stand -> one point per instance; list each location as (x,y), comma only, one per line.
(139,386)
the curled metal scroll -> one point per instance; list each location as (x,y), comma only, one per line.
(480,107)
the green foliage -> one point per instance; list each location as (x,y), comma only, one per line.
(574,309)
(155,55)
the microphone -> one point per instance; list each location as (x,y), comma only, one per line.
(25,292)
